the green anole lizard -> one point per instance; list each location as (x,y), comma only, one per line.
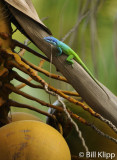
(62,47)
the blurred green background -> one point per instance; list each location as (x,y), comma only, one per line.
(94,39)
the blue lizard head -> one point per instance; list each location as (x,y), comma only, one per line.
(51,40)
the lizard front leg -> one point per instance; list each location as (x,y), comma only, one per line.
(60,51)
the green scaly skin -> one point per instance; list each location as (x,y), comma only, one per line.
(63,48)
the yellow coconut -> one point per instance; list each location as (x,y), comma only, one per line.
(18,116)
(32,140)
(5,27)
